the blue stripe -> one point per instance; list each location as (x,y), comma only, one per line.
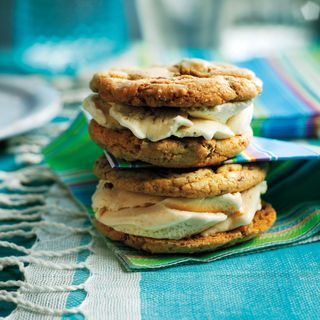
(277,98)
(285,128)
(271,285)
(84,192)
(300,78)
(284,150)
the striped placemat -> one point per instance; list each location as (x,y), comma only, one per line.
(293,190)
(289,106)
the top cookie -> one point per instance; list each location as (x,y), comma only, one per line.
(190,83)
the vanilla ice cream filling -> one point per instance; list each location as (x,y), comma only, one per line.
(155,124)
(174,218)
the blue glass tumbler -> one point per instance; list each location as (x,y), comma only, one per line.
(65,36)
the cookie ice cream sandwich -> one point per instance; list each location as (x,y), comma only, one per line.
(191,114)
(181,210)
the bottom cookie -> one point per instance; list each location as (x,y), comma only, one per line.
(262,221)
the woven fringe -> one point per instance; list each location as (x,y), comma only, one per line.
(27,204)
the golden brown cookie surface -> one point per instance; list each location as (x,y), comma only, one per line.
(262,221)
(190,83)
(171,152)
(188,183)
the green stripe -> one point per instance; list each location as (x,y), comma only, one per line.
(73,150)
(77,124)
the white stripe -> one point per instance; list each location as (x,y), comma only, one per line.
(113,293)
(110,160)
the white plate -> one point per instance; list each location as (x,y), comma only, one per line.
(25,103)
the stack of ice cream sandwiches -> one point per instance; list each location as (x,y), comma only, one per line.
(184,120)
